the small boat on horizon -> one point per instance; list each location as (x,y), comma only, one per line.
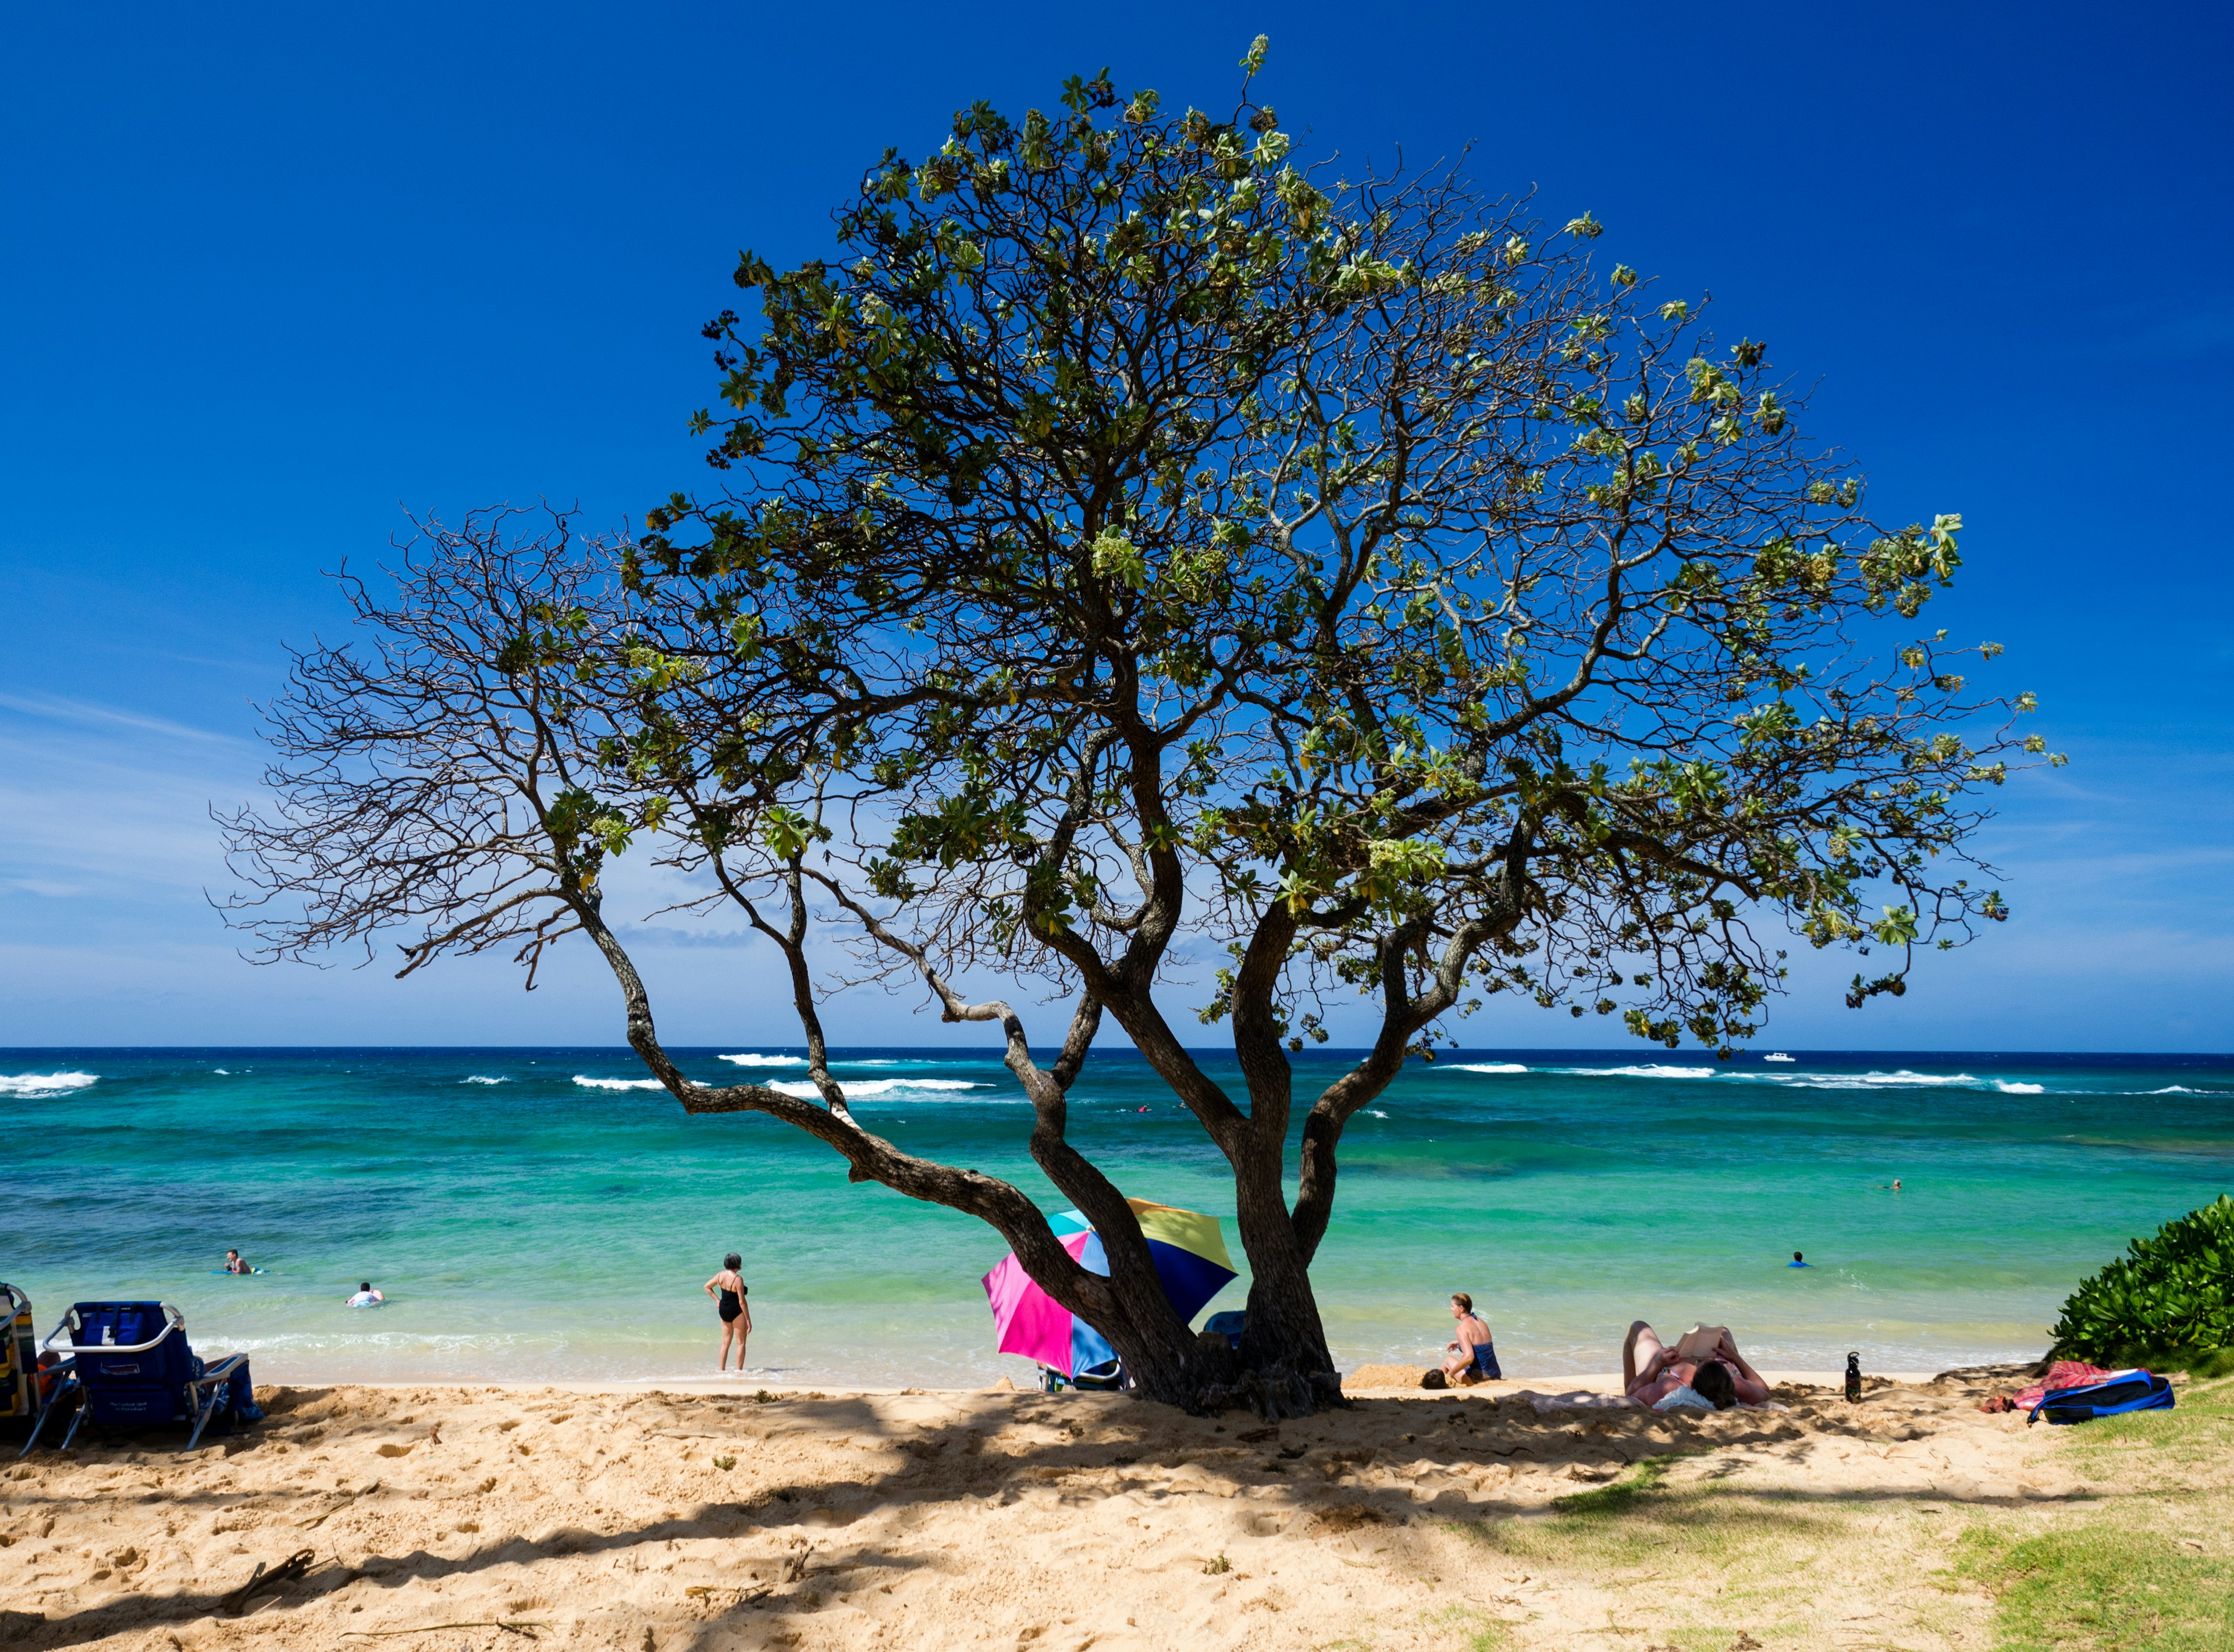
(1776,1055)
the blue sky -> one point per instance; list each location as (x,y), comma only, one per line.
(272,275)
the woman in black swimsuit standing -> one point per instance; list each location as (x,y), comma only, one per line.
(727,1291)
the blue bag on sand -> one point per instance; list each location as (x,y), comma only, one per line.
(2114,1395)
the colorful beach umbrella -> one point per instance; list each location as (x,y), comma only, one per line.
(1191,1261)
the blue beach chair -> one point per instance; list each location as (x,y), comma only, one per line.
(2115,1395)
(130,1366)
(1229,1325)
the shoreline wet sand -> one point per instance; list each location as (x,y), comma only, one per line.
(475,1516)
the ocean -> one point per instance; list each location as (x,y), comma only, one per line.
(551,1214)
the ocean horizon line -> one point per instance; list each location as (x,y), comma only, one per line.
(1330,1052)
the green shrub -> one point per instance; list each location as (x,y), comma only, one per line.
(2168,1301)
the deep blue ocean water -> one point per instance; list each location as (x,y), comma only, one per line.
(549,1213)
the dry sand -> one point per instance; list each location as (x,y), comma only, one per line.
(478,1518)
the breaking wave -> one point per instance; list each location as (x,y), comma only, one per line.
(765,1061)
(876,1087)
(41,1084)
(1488,1067)
(618,1084)
(1650,1070)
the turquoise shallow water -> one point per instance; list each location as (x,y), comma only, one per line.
(532,1216)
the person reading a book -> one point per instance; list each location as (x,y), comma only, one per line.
(1703,1367)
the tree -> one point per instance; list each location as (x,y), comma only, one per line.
(1134,542)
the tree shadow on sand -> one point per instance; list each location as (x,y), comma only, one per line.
(1368,1471)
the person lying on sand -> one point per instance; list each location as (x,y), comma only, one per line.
(1706,1362)
(1473,1356)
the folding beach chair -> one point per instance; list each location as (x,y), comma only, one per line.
(31,1385)
(30,1390)
(1106,1377)
(19,1356)
(130,1366)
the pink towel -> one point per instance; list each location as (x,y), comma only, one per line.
(2064,1374)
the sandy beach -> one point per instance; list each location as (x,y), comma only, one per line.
(478,1518)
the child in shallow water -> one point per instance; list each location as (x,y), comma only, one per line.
(366,1296)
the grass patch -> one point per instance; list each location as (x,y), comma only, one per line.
(1624,1496)
(2105,1587)
(2203,1363)
(2139,1575)
(2199,1429)
(1477,1632)
(1642,1519)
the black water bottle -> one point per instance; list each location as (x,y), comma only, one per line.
(1853,1376)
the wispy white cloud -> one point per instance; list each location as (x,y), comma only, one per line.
(54,708)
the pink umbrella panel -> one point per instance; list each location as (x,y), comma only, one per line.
(1191,1263)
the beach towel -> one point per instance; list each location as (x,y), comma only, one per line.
(1575,1400)
(2064,1374)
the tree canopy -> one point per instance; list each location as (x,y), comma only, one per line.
(1138,559)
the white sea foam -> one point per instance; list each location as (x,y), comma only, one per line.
(1376,1112)
(618,1084)
(1882,1081)
(43,1084)
(1650,1070)
(876,1087)
(1902,1075)
(477,1079)
(1488,1067)
(1902,1079)
(765,1061)
(222,1072)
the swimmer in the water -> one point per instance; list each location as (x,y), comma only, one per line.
(234,1263)
(366,1296)
(1799,1261)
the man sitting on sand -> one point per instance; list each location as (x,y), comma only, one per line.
(1703,1368)
(1473,1358)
